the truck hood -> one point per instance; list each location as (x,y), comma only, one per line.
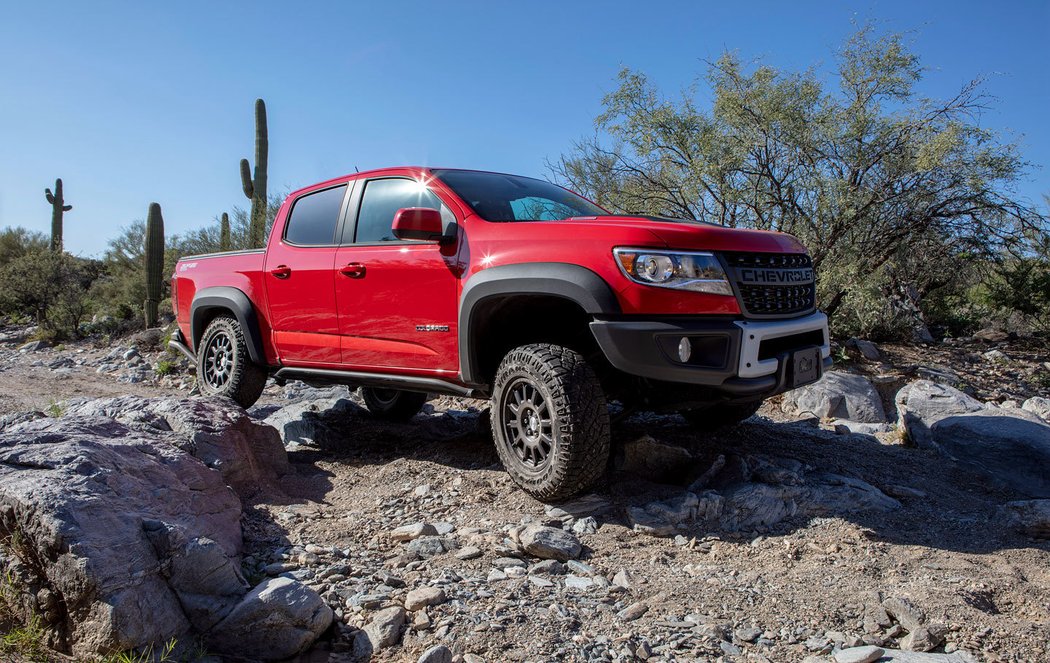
(696,236)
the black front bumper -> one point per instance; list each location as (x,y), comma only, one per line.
(647,348)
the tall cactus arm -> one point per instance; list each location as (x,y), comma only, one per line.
(50,196)
(246,179)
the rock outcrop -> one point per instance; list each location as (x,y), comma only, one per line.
(122,527)
(1008,446)
(924,402)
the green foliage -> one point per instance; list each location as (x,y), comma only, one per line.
(16,242)
(58,208)
(121,289)
(255,187)
(27,641)
(51,287)
(154,263)
(165,367)
(147,655)
(54,408)
(893,194)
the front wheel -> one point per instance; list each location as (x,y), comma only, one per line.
(550,422)
(721,415)
(224,367)
(392,404)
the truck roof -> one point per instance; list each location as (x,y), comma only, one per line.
(390,170)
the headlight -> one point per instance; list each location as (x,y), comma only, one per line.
(683,270)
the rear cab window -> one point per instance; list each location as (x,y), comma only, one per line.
(315,217)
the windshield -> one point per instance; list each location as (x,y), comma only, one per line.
(497,197)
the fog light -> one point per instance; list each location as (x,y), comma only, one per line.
(685,349)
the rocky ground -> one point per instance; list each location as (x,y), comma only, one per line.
(783,538)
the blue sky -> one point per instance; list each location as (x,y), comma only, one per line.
(137,102)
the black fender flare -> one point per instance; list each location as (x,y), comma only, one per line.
(573,282)
(230,299)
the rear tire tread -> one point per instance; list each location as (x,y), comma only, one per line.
(247,379)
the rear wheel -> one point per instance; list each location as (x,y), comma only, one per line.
(550,423)
(721,415)
(393,404)
(224,367)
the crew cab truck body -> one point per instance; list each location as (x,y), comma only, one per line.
(409,281)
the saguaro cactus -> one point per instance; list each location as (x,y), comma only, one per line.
(255,188)
(225,243)
(154,257)
(58,208)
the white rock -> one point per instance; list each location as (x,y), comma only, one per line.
(587,525)
(549,543)
(424,597)
(633,611)
(1038,406)
(578,582)
(436,654)
(867,654)
(413,531)
(837,396)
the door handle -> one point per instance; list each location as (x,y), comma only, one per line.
(354,270)
(281,271)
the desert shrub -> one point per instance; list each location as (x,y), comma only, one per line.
(16,242)
(121,290)
(51,287)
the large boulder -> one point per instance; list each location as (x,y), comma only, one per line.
(1011,451)
(837,396)
(82,497)
(128,527)
(924,402)
(315,417)
(249,455)
(276,620)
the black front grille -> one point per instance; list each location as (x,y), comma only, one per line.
(768,299)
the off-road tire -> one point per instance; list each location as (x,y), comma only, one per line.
(392,404)
(224,367)
(721,415)
(550,379)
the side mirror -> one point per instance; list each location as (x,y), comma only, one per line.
(418,223)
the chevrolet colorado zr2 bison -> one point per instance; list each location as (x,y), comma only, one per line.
(414,281)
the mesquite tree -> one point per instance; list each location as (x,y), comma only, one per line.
(883,185)
(255,187)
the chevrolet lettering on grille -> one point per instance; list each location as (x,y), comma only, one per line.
(775,276)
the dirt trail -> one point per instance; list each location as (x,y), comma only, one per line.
(778,593)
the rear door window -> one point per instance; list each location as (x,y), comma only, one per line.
(315,217)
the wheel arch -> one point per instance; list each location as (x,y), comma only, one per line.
(212,302)
(565,281)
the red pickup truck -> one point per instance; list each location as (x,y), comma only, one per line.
(413,281)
